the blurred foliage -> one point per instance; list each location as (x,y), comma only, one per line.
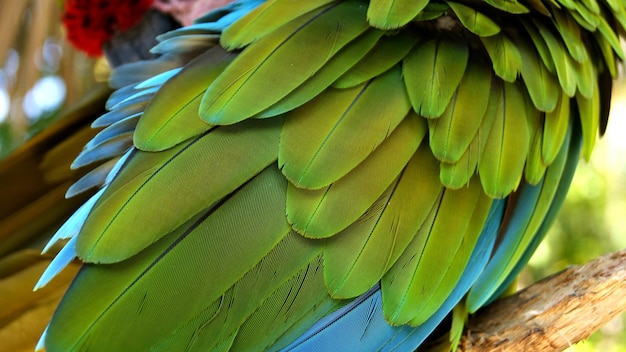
(32,47)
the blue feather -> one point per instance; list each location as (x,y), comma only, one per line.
(60,262)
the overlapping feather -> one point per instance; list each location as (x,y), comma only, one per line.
(395,168)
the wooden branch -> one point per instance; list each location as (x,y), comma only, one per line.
(554,313)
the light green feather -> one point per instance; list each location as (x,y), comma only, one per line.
(570,32)
(387,53)
(535,165)
(335,67)
(542,86)
(270,68)
(430,267)
(326,138)
(452,133)
(458,174)
(387,14)
(324,212)
(489,283)
(555,128)
(608,33)
(607,53)
(166,121)
(356,258)
(265,19)
(186,178)
(562,60)
(475,21)
(539,44)
(432,72)
(501,165)
(589,111)
(510,6)
(505,56)
(584,17)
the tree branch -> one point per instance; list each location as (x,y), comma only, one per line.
(554,313)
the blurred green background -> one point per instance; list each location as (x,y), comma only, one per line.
(40,74)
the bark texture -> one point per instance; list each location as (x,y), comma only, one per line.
(554,313)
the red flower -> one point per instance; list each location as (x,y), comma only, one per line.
(91,23)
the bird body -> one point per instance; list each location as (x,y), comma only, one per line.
(331,175)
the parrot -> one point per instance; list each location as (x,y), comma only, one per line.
(329,175)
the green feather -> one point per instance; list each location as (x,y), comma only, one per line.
(510,6)
(584,17)
(297,305)
(387,14)
(386,54)
(535,164)
(591,5)
(430,267)
(186,178)
(589,111)
(325,139)
(562,60)
(489,282)
(264,19)
(539,45)
(166,121)
(144,291)
(587,77)
(276,64)
(356,258)
(458,174)
(432,11)
(570,32)
(607,53)
(324,212)
(555,129)
(452,133)
(476,22)
(543,87)
(432,73)
(608,33)
(501,165)
(538,6)
(262,287)
(505,56)
(335,67)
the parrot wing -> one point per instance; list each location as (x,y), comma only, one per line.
(331,175)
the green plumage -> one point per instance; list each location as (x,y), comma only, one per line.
(318,144)
(331,148)
(287,61)
(346,58)
(159,128)
(452,133)
(432,72)
(146,187)
(324,212)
